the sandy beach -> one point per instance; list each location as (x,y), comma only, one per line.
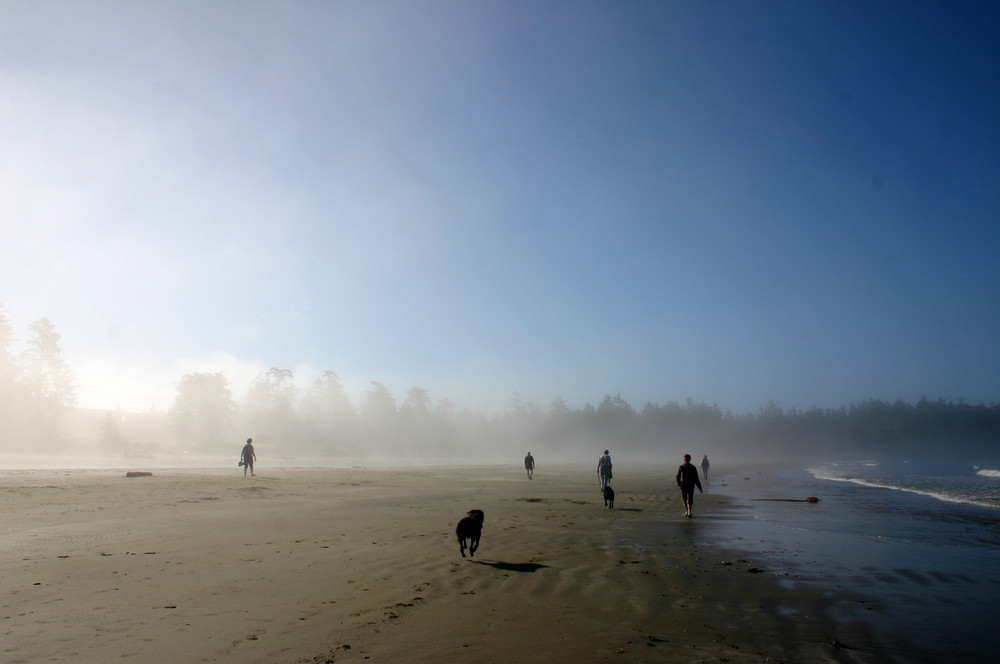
(362,565)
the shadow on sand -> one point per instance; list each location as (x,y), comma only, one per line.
(510,567)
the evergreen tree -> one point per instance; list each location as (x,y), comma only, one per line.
(270,408)
(203,409)
(46,381)
(8,379)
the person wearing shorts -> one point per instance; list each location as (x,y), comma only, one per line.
(687,480)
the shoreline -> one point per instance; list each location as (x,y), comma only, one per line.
(921,570)
(353,565)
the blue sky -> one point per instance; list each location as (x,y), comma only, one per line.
(730,201)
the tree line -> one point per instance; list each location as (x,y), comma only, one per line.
(37,385)
(37,393)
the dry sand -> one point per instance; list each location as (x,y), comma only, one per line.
(338,565)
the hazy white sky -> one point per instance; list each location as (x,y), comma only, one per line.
(737,202)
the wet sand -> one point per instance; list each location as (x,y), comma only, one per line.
(362,565)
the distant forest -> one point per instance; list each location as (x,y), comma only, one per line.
(38,416)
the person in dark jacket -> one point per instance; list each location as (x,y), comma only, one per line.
(687,480)
(247,457)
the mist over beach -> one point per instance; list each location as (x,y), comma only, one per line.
(344,497)
(402,245)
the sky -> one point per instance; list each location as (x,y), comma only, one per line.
(741,203)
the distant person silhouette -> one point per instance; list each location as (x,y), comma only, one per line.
(247,457)
(529,465)
(687,480)
(704,467)
(604,469)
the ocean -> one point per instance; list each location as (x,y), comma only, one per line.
(915,543)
